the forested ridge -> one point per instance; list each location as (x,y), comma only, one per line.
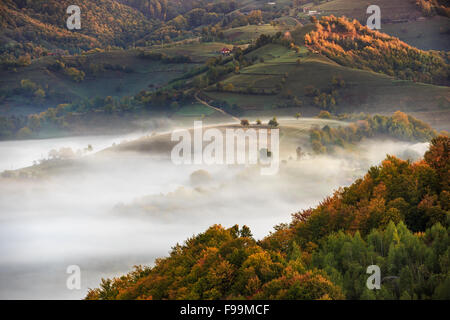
(36,49)
(166,10)
(400,126)
(36,28)
(33,27)
(349,43)
(433,7)
(396,216)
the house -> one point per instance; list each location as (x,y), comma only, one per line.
(225,51)
(309,12)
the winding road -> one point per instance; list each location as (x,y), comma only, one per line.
(215,108)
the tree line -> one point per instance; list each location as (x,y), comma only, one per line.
(349,43)
(399,126)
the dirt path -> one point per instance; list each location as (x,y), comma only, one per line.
(217,109)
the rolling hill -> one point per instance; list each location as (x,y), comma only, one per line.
(401,18)
(38,28)
(343,67)
(43,26)
(274,77)
(292,73)
(116,73)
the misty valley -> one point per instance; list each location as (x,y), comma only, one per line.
(224,150)
(111,209)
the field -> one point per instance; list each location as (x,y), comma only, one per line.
(195,110)
(277,75)
(292,133)
(144,75)
(390,10)
(248,5)
(198,52)
(428,34)
(365,91)
(250,32)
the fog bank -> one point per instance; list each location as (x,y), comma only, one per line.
(108,214)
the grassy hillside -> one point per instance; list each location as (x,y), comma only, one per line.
(249,33)
(120,23)
(429,34)
(390,10)
(293,133)
(115,73)
(276,75)
(293,72)
(198,52)
(132,75)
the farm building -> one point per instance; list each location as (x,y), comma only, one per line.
(225,51)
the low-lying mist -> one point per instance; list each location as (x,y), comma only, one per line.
(107,214)
(17,154)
